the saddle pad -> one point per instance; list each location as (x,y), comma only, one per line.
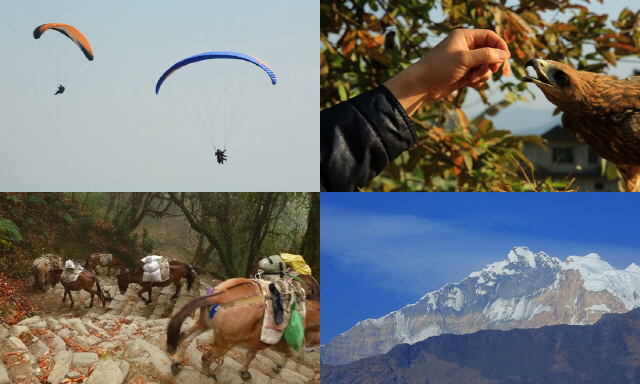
(270,277)
(106,258)
(164,270)
(271,331)
(56,261)
(41,259)
(48,260)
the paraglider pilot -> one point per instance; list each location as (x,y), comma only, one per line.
(60,89)
(221,156)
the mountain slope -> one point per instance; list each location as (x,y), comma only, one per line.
(607,352)
(525,290)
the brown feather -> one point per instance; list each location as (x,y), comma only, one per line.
(600,110)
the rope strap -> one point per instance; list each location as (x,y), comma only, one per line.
(300,279)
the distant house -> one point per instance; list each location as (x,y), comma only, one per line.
(567,156)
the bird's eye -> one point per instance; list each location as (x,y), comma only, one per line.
(561,78)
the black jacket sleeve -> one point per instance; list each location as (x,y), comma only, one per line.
(361,136)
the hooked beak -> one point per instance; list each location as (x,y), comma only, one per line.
(540,67)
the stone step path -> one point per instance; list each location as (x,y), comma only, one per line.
(125,341)
(130,304)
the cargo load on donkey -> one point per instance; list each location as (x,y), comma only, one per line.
(274,267)
(286,266)
(151,268)
(271,268)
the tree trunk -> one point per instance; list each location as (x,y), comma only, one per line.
(261,219)
(310,248)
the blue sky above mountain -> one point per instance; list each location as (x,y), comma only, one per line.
(382,252)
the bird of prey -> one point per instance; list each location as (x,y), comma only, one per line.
(599,110)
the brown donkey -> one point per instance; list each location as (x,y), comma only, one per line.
(85,281)
(41,267)
(94,259)
(178,270)
(237,323)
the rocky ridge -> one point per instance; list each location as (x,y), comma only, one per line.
(525,290)
(605,352)
(125,343)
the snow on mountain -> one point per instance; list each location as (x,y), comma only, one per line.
(525,290)
(514,309)
(517,258)
(599,275)
(633,268)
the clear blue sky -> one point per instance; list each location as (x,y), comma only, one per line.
(110,131)
(381,252)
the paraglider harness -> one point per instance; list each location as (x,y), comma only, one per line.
(221,156)
(60,89)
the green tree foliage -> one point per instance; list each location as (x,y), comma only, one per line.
(231,228)
(9,234)
(365,42)
(127,210)
(234,228)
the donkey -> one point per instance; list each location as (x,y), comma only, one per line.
(94,259)
(178,270)
(85,281)
(41,267)
(238,323)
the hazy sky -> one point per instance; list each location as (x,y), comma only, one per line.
(110,131)
(381,252)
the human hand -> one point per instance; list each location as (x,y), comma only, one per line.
(465,58)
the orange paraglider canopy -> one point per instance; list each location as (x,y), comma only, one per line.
(70,32)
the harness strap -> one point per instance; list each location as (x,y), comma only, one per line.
(263,290)
(300,279)
(236,303)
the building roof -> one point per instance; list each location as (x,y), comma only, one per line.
(558,133)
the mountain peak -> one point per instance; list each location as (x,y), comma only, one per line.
(633,268)
(517,260)
(599,275)
(525,289)
(523,254)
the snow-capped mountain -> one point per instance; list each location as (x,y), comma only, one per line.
(526,290)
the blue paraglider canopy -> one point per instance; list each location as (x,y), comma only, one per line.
(215,55)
